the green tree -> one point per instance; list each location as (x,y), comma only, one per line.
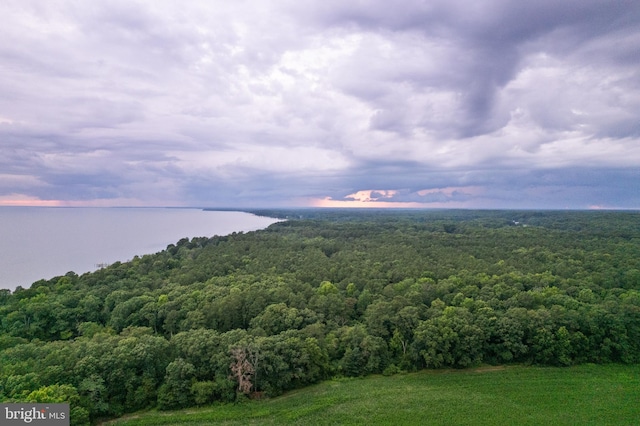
(451,339)
(175,392)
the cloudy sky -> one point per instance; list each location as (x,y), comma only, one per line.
(410,103)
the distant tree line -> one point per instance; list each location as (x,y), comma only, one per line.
(324,294)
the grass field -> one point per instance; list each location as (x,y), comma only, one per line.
(514,395)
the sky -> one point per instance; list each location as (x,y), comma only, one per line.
(289,103)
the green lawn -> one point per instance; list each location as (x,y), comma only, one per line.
(516,395)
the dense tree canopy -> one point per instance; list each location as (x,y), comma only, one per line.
(326,293)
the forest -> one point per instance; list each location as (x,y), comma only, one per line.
(326,293)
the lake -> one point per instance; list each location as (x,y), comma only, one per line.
(43,242)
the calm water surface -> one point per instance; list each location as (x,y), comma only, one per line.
(40,242)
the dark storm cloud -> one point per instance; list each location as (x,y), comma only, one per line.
(489,41)
(440,103)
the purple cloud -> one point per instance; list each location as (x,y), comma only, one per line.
(243,103)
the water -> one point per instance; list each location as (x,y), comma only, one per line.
(41,242)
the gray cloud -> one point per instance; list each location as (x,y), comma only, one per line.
(442,103)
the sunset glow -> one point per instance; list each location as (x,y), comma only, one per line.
(25,201)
